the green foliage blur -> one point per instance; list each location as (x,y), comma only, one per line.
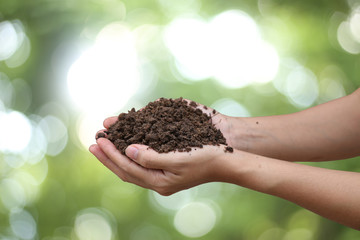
(65,193)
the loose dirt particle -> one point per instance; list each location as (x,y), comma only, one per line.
(193,104)
(166,125)
(101,135)
(229,149)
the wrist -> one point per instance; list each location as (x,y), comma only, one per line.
(242,132)
(250,171)
(228,167)
(217,164)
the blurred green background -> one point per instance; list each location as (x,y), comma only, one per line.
(66,65)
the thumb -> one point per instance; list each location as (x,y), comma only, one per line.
(147,157)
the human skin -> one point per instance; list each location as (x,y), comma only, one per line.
(328,131)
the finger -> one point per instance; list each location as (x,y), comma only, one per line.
(110,121)
(130,167)
(149,158)
(101,156)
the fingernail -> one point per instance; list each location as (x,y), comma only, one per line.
(132,152)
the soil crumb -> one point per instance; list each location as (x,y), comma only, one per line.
(229,149)
(101,135)
(165,125)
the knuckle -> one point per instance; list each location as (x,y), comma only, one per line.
(144,161)
(165,194)
(164,189)
(124,178)
(125,167)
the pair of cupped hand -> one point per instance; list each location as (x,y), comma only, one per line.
(166,173)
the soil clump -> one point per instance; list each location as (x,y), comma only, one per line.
(165,125)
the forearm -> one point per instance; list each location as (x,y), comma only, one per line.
(326,132)
(329,193)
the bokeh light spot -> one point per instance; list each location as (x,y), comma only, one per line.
(298,83)
(149,232)
(55,133)
(22,95)
(355,24)
(195,219)
(87,126)
(105,76)
(21,54)
(12,194)
(23,224)
(9,40)
(331,89)
(304,219)
(14,160)
(272,234)
(15,131)
(212,190)
(302,87)
(91,224)
(6,90)
(29,184)
(188,40)
(172,202)
(230,107)
(241,56)
(346,38)
(299,234)
(331,83)
(55,109)
(36,149)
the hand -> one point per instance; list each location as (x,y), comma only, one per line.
(164,173)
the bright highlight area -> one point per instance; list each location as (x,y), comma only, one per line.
(230,107)
(55,133)
(195,219)
(23,224)
(174,201)
(355,23)
(228,48)
(12,125)
(348,33)
(298,83)
(105,76)
(15,45)
(9,39)
(93,224)
(302,87)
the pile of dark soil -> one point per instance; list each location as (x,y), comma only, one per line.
(165,125)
